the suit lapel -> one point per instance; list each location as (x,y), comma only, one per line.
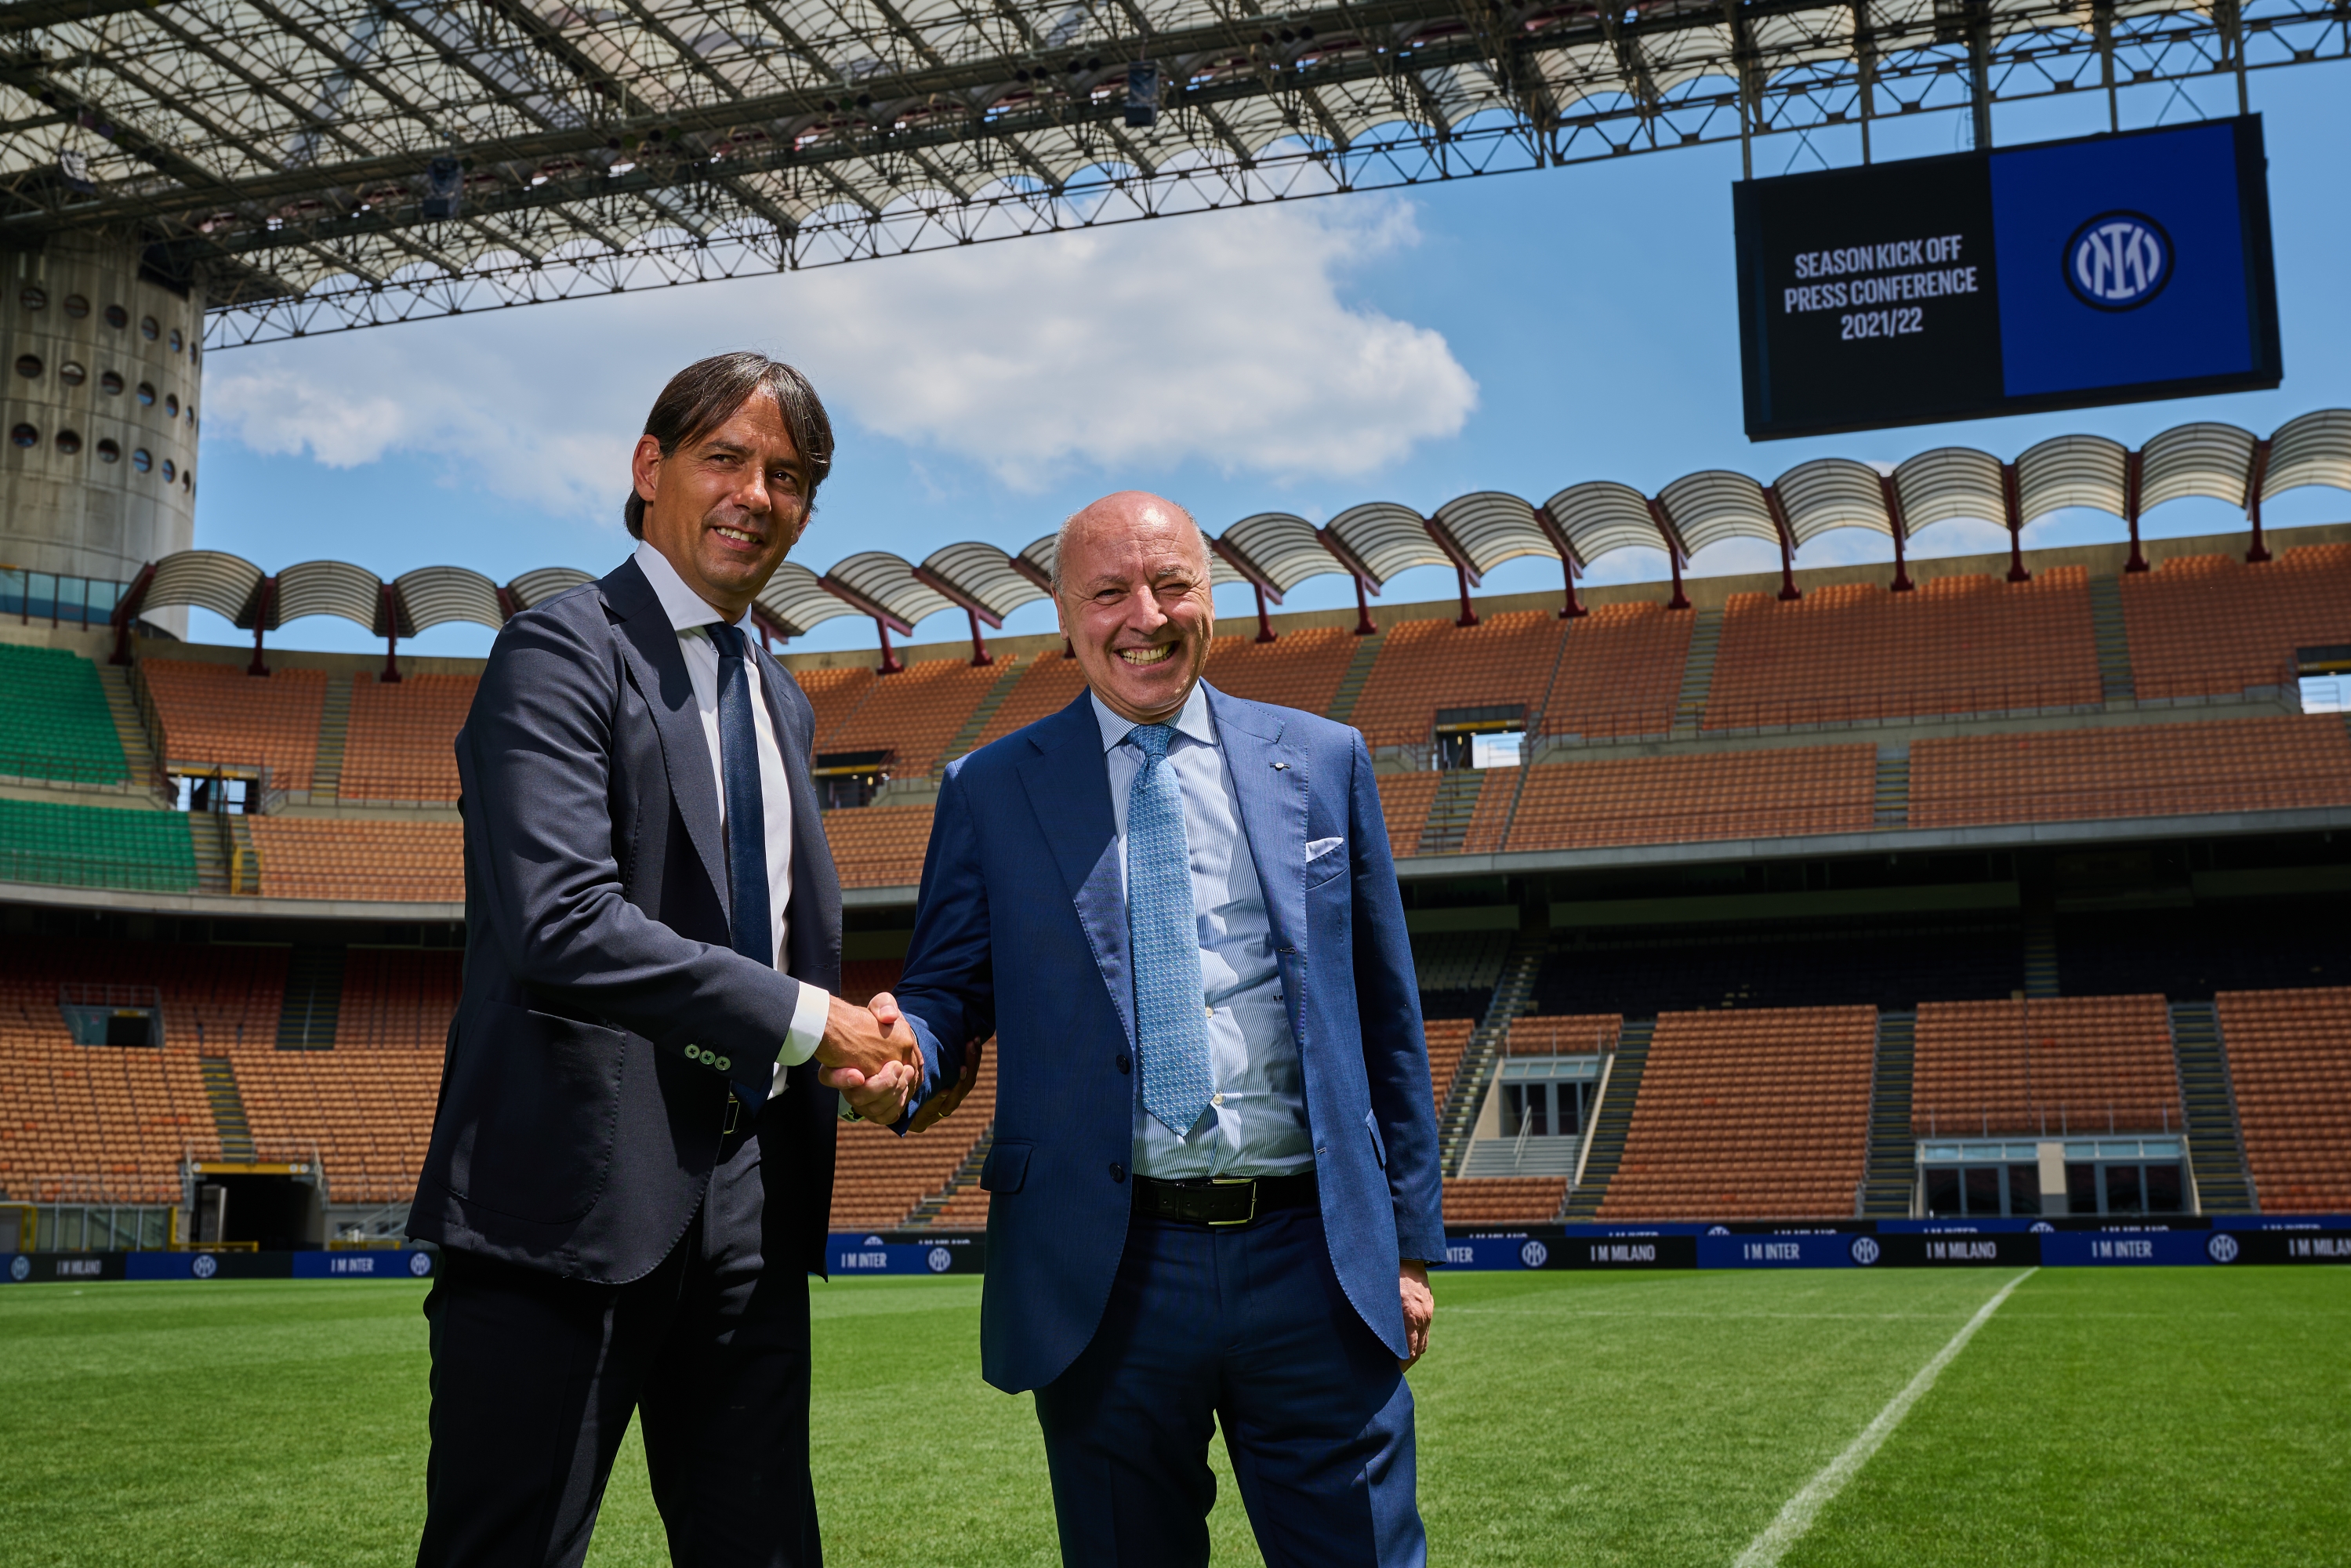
(656,667)
(1273,807)
(1068,780)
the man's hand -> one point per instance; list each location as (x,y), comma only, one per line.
(872,1058)
(941,1105)
(1419,1308)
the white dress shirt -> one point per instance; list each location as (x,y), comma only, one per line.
(1256,1123)
(693,616)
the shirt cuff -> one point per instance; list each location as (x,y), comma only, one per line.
(807,1032)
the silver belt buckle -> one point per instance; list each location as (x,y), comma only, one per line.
(1248,1182)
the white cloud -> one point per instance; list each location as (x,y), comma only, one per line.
(1222,339)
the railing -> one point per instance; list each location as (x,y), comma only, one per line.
(50,870)
(46,769)
(244,870)
(2035,1121)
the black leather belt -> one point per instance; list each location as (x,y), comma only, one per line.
(1216,1201)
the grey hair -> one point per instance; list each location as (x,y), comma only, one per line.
(1062,538)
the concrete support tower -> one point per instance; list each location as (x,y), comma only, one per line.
(97,472)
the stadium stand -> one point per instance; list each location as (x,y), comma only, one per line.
(1448,1040)
(1887,964)
(1490,818)
(364,1115)
(1404,800)
(2078,1064)
(1456,971)
(1711,795)
(2212,625)
(1503,1200)
(1856,652)
(217,715)
(2192,952)
(1302,670)
(2150,770)
(879,846)
(94,846)
(401,740)
(1750,1115)
(55,723)
(407,863)
(879,1177)
(834,695)
(913,715)
(1427,666)
(1621,674)
(398,998)
(2290,1060)
(1049,685)
(1587,1034)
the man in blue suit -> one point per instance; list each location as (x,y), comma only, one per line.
(1214,1182)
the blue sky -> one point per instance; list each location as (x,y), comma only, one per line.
(1520,334)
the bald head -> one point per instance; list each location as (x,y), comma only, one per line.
(1131,584)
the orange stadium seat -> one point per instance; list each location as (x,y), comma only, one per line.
(341,858)
(1622,672)
(398,998)
(1503,1200)
(2149,770)
(1302,670)
(1857,651)
(878,1177)
(1448,1041)
(216,714)
(1426,666)
(2212,625)
(1579,1034)
(402,741)
(1404,800)
(834,695)
(1759,1115)
(1050,684)
(1497,793)
(913,715)
(365,1115)
(2059,1064)
(2290,1065)
(1714,795)
(879,846)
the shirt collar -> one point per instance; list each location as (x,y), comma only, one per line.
(687,609)
(1191,722)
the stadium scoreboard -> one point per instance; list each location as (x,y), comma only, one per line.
(2106,270)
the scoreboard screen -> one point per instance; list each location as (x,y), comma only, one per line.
(2108,269)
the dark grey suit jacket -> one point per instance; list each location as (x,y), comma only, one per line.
(575,1134)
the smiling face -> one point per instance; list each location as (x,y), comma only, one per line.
(1135,603)
(726,506)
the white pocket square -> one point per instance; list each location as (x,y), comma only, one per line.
(1316,848)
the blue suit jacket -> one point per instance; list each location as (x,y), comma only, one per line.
(1022,934)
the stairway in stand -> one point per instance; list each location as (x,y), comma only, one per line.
(2216,1145)
(208,835)
(138,754)
(1893,784)
(2040,955)
(1698,675)
(1458,1117)
(1359,670)
(973,727)
(1614,1121)
(923,1214)
(334,727)
(228,1109)
(314,997)
(2112,633)
(1448,814)
(1892,1173)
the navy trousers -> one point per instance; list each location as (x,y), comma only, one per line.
(1246,1327)
(535,1379)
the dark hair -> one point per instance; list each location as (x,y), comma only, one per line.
(706,394)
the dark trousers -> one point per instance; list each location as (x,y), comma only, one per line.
(1247,1327)
(535,1379)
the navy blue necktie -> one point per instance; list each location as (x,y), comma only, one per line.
(750,922)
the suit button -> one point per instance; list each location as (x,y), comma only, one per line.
(1117,1171)
(1125,1064)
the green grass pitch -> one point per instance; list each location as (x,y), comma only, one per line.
(2189,1416)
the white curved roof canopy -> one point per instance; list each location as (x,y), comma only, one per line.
(2070,471)
(432,595)
(1387,538)
(1493,527)
(982,572)
(2209,460)
(1039,554)
(2314,449)
(1833,493)
(1600,516)
(1715,504)
(1948,484)
(329,588)
(1284,547)
(539,587)
(209,579)
(889,581)
(797,602)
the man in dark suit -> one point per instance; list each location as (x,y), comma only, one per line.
(632,1163)
(1213,1181)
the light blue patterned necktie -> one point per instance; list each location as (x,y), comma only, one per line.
(1163,928)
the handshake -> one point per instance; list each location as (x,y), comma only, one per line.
(870,1054)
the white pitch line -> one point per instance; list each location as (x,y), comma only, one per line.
(1797,1515)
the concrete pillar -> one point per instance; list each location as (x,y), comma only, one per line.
(97,417)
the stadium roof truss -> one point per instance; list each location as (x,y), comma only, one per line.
(316,165)
(1273,552)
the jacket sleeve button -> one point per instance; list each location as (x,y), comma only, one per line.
(1125,1063)
(1117,1171)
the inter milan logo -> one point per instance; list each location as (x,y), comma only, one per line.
(2118,261)
(204,1266)
(1534,1254)
(940,1259)
(2222,1248)
(419,1264)
(1865,1251)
